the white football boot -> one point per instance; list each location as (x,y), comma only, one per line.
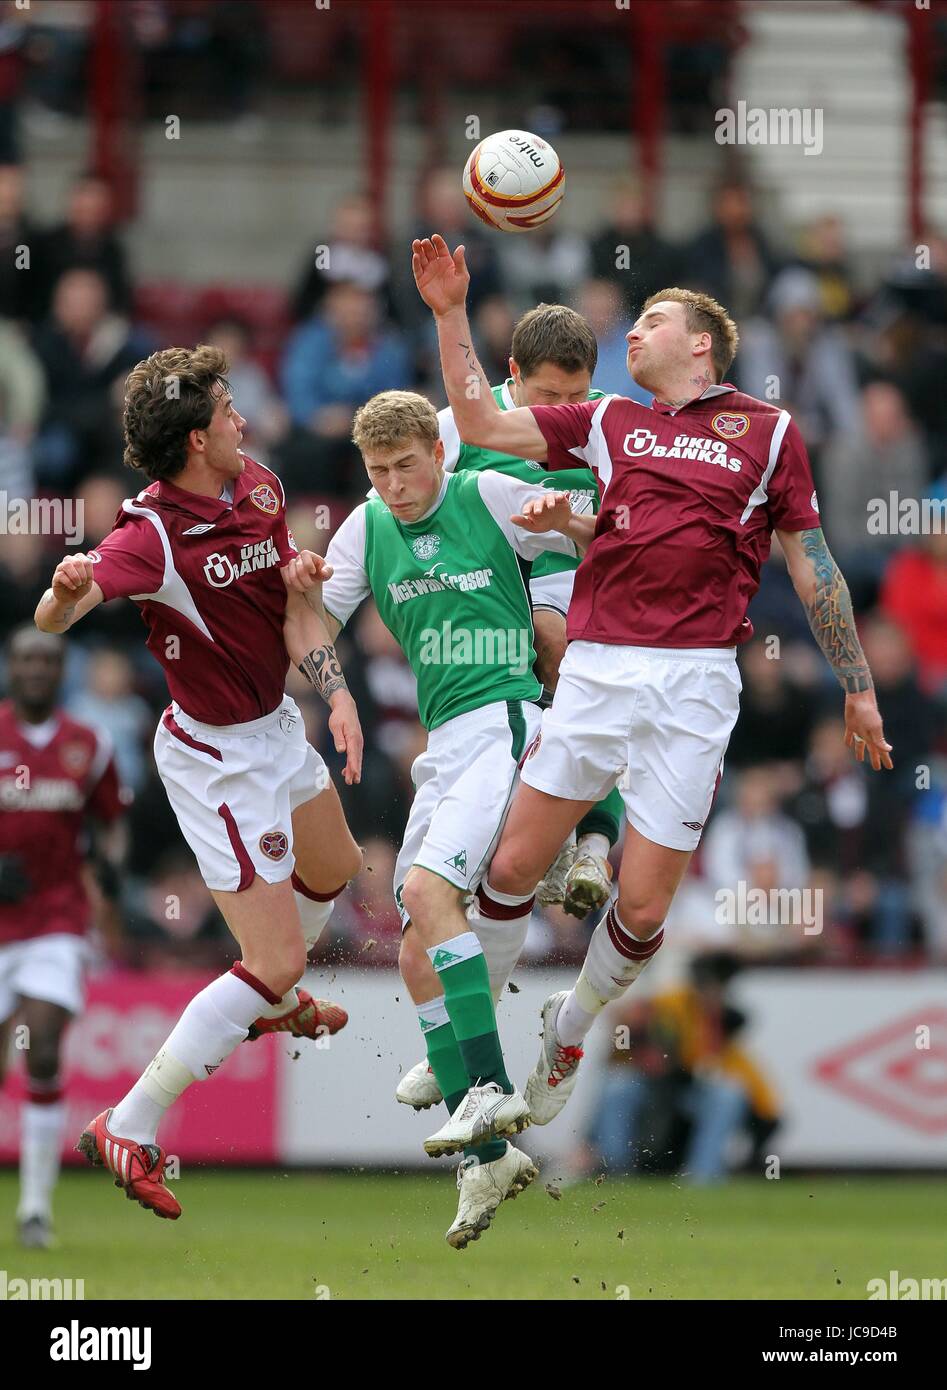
(552,1080)
(588,885)
(418,1087)
(553,884)
(482,1187)
(486,1112)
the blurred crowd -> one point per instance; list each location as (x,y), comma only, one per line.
(859,360)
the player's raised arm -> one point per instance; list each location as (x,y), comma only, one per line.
(442,281)
(309,643)
(821,587)
(72,594)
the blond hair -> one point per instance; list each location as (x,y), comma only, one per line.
(393,417)
(704,315)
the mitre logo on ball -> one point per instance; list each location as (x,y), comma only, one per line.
(514,181)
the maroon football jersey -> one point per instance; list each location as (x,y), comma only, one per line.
(46,794)
(690,499)
(205,574)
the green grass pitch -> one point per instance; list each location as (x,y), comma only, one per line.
(366,1236)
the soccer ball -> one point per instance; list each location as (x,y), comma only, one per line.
(514,181)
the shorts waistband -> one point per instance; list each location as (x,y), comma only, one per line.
(496,711)
(253,726)
(723,654)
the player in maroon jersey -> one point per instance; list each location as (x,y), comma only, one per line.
(693,488)
(56,776)
(228,601)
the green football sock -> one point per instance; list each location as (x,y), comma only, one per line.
(462,970)
(603,819)
(445,1061)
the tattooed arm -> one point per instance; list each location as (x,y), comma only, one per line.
(72,594)
(442,281)
(824,594)
(308,632)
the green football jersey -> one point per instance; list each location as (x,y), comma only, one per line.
(579,482)
(452,588)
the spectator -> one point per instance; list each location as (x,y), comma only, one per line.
(754,846)
(21,281)
(601,303)
(914,595)
(22,396)
(801,361)
(332,364)
(109,702)
(775,711)
(367,920)
(493,332)
(444,209)
(824,254)
(86,240)
(258,403)
(84,350)
(731,259)
(545,267)
(348,254)
(629,251)
(679,1087)
(885,454)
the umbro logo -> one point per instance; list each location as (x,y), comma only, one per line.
(199,529)
(693,824)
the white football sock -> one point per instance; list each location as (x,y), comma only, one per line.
(314,915)
(614,960)
(40,1148)
(593,843)
(213,1024)
(502,937)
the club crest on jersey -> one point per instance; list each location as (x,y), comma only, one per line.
(425,547)
(74,757)
(730,425)
(265,498)
(274,844)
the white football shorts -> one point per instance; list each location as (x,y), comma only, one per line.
(552,591)
(234,788)
(464,783)
(654,720)
(50,968)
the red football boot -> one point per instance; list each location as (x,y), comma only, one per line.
(138,1168)
(311,1018)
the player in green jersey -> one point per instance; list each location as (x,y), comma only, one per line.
(552,360)
(446,559)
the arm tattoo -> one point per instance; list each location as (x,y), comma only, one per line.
(831,619)
(321,667)
(470,357)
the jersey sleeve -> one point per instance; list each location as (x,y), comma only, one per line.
(503,497)
(106,798)
(573,433)
(450,438)
(349,585)
(791,503)
(129,561)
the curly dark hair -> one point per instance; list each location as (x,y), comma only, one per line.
(167,395)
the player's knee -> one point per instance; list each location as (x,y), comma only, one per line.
(511,870)
(42,1058)
(283,966)
(350,862)
(643,919)
(413,962)
(417,898)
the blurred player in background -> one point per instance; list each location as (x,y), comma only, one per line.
(56,776)
(692,490)
(205,552)
(552,360)
(444,557)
